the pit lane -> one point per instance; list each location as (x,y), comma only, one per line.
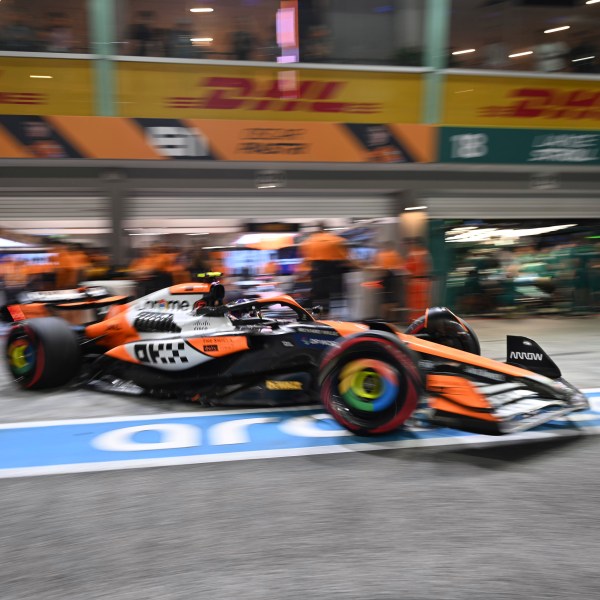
(495,522)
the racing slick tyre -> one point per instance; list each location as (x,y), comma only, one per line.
(442,326)
(370,383)
(43,353)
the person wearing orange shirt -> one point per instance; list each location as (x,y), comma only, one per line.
(13,277)
(151,269)
(418,264)
(392,264)
(328,256)
(269,269)
(66,267)
(81,262)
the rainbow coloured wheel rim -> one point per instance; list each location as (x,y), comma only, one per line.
(368,385)
(21,356)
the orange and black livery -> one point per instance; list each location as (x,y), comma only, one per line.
(186,342)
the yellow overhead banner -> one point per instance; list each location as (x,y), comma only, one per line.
(45,86)
(282,93)
(475,100)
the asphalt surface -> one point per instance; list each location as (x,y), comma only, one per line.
(462,523)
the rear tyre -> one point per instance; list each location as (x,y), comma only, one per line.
(370,383)
(43,353)
(442,326)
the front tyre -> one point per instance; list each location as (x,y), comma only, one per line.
(43,353)
(370,383)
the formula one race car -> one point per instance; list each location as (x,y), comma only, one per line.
(183,342)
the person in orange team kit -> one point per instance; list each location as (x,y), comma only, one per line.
(13,277)
(151,269)
(418,264)
(66,267)
(328,257)
(393,267)
(81,261)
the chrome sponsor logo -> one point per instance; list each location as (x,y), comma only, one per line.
(164,304)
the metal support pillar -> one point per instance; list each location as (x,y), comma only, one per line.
(114,186)
(102,26)
(437,43)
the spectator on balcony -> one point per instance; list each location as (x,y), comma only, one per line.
(17,36)
(59,38)
(242,42)
(179,41)
(550,54)
(141,34)
(495,55)
(317,47)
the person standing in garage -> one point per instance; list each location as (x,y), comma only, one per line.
(327,255)
(389,261)
(418,264)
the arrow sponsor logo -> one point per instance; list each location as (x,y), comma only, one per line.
(526,356)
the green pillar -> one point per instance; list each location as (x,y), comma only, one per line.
(102,26)
(437,43)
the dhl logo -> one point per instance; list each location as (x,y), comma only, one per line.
(548,103)
(245,93)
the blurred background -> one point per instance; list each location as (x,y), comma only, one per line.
(370,156)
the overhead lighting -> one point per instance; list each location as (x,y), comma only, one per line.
(201,39)
(257,238)
(516,55)
(490,233)
(463,51)
(555,29)
(41,76)
(4,243)
(592,1)
(585,57)
(202,10)
(416,208)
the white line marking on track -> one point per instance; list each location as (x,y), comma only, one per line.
(155,416)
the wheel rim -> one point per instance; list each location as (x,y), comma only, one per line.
(368,385)
(21,356)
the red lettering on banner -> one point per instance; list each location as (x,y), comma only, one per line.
(231,93)
(548,103)
(533,103)
(22,98)
(225,96)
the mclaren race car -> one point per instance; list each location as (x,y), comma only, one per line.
(184,342)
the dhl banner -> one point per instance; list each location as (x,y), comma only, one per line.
(24,136)
(45,86)
(271,93)
(471,100)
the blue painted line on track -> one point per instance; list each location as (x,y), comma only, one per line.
(136,442)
